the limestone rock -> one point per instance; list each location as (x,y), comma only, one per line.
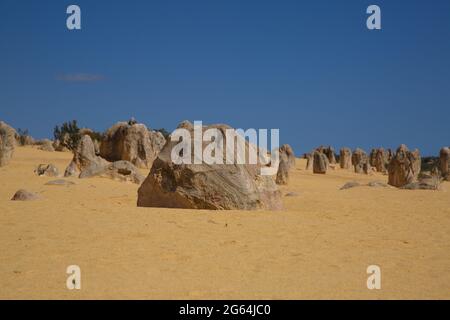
(60,182)
(329,152)
(49,170)
(404,167)
(431,183)
(444,163)
(350,185)
(123,171)
(7,143)
(208,186)
(359,158)
(131,142)
(46,145)
(24,195)
(345,158)
(85,157)
(287,152)
(310,161)
(283,172)
(321,162)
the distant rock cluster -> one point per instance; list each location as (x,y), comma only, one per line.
(127,147)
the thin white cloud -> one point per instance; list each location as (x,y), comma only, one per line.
(79,77)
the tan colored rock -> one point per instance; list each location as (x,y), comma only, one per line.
(7,143)
(58,146)
(123,171)
(381,160)
(287,152)
(24,195)
(84,158)
(49,170)
(283,172)
(345,158)
(46,145)
(444,163)
(320,164)
(131,142)
(203,186)
(329,152)
(359,158)
(404,167)
(287,163)
(310,161)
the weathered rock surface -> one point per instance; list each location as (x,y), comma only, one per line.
(404,168)
(122,170)
(444,163)
(381,160)
(310,161)
(84,158)
(60,182)
(430,183)
(377,184)
(131,142)
(46,145)
(87,164)
(291,194)
(7,143)
(329,152)
(24,195)
(203,186)
(353,184)
(288,154)
(345,158)
(349,185)
(359,158)
(283,172)
(287,163)
(49,170)
(321,162)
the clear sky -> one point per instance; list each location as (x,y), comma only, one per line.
(310,68)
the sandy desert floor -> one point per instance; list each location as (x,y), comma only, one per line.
(318,247)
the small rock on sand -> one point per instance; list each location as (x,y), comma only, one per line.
(350,184)
(59,182)
(24,195)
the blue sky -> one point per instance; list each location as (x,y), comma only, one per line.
(309,68)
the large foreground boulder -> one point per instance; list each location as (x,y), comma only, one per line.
(131,142)
(7,143)
(404,168)
(345,158)
(444,163)
(207,186)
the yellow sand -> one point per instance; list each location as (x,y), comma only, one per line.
(318,247)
